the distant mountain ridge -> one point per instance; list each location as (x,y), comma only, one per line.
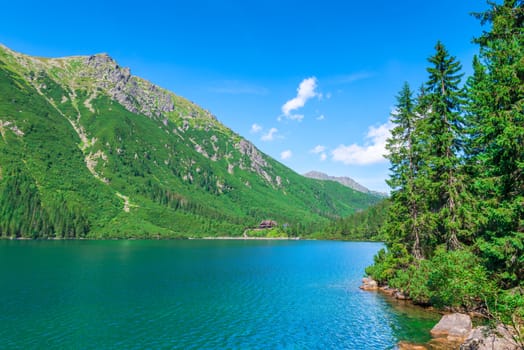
(343,180)
(89,150)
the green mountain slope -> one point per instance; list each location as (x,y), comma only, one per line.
(87,149)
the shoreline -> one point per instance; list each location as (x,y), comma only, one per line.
(177,238)
(150,239)
(465,330)
(247,238)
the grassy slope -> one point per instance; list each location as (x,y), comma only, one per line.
(183,174)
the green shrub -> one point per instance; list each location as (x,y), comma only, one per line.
(453,279)
(457,279)
(387,262)
(413,281)
(508,308)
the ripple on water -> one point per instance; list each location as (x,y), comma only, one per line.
(193,295)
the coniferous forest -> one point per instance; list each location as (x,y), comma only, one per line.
(455,225)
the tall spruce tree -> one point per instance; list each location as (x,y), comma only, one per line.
(496,139)
(403,216)
(440,126)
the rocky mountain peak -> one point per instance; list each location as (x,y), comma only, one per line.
(135,94)
(346,181)
(101,72)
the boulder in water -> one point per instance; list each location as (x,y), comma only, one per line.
(369,284)
(454,327)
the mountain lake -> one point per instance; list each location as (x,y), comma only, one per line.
(197,294)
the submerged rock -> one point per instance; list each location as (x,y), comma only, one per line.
(411,346)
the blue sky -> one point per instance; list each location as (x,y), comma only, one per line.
(311,83)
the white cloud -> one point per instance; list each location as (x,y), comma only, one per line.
(255,128)
(270,135)
(371,152)
(321,117)
(297,117)
(318,149)
(305,91)
(286,154)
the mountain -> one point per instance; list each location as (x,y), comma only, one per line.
(89,150)
(346,181)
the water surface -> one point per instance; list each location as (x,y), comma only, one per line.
(196,294)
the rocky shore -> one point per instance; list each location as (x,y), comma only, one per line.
(370,284)
(455,330)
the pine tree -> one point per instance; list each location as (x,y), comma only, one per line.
(403,221)
(440,138)
(496,145)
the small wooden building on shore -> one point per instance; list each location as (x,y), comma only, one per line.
(268,224)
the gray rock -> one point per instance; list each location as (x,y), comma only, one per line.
(257,162)
(452,326)
(485,338)
(346,181)
(135,94)
(369,284)
(400,296)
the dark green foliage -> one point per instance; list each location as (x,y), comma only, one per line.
(21,213)
(509,309)
(457,279)
(424,152)
(363,225)
(388,262)
(496,111)
(453,279)
(403,222)
(439,129)
(468,183)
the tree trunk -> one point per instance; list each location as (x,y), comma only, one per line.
(416,250)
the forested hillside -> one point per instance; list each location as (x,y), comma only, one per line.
(89,150)
(365,224)
(455,227)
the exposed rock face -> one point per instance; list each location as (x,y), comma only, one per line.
(484,338)
(346,181)
(258,163)
(136,95)
(453,326)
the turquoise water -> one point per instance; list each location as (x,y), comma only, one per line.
(196,295)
